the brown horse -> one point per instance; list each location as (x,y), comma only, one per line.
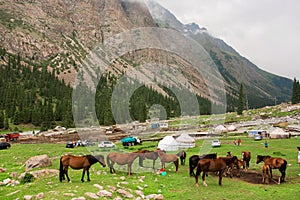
(167,158)
(147,154)
(194,159)
(265,173)
(246,156)
(210,165)
(182,156)
(274,163)
(78,162)
(121,159)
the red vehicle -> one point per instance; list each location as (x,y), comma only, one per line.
(12,136)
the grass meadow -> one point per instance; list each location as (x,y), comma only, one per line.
(173,186)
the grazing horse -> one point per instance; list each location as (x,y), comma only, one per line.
(274,163)
(231,161)
(78,162)
(265,173)
(193,161)
(246,156)
(182,156)
(167,158)
(147,154)
(210,165)
(121,159)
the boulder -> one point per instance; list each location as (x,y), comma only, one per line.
(37,161)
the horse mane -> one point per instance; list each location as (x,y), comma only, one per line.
(93,159)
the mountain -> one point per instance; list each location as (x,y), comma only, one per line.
(60,35)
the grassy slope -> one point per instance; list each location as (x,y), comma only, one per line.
(172,186)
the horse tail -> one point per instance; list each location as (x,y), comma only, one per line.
(61,170)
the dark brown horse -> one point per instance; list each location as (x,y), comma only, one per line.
(274,163)
(193,161)
(182,156)
(231,162)
(210,165)
(78,162)
(121,159)
(147,154)
(246,156)
(167,158)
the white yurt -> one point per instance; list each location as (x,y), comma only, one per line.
(231,128)
(279,133)
(168,143)
(185,141)
(220,129)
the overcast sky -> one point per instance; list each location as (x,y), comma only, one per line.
(267,32)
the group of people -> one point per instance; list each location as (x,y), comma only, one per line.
(238,142)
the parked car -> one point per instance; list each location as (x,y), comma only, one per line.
(215,143)
(4,145)
(69,145)
(257,137)
(106,144)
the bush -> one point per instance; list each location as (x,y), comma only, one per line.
(28,178)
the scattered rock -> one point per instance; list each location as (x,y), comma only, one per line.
(79,198)
(37,161)
(2,170)
(69,194)
(111,188)
(28,197)
(122,178)
(155,197)
(14,175)
(104,193)
(9,182)
(125,193)
(124,183)
(140,193)
(12,193)
(118,198)
(91,195)
(139,187)
(40,195)
(40,173)
(98,186)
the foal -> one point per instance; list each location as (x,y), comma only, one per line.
(167,158)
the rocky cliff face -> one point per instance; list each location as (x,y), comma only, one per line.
(59,34)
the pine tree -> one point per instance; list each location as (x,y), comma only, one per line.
(240,106)
(1,119)
(296,92)
(6,123)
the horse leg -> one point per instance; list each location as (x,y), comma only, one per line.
(176,164)
(82,177)
(66,172)
(203,178)
(129,169)
(198,172)
(153,164)
(220,177)
(88,174)
(271,173)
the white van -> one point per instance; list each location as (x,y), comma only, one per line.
(106,144)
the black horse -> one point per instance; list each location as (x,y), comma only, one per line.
(182,156)
(193,161)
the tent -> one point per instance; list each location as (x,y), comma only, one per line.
(220,129)
(168,143)
(185,141)
(279,133)
(231,128)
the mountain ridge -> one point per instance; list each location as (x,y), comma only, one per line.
(58,35)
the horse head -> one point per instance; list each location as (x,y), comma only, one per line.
(259,159)
(100,159)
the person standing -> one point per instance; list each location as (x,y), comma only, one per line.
(239,142)
(266,145)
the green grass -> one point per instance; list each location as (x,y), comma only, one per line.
(172,186)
